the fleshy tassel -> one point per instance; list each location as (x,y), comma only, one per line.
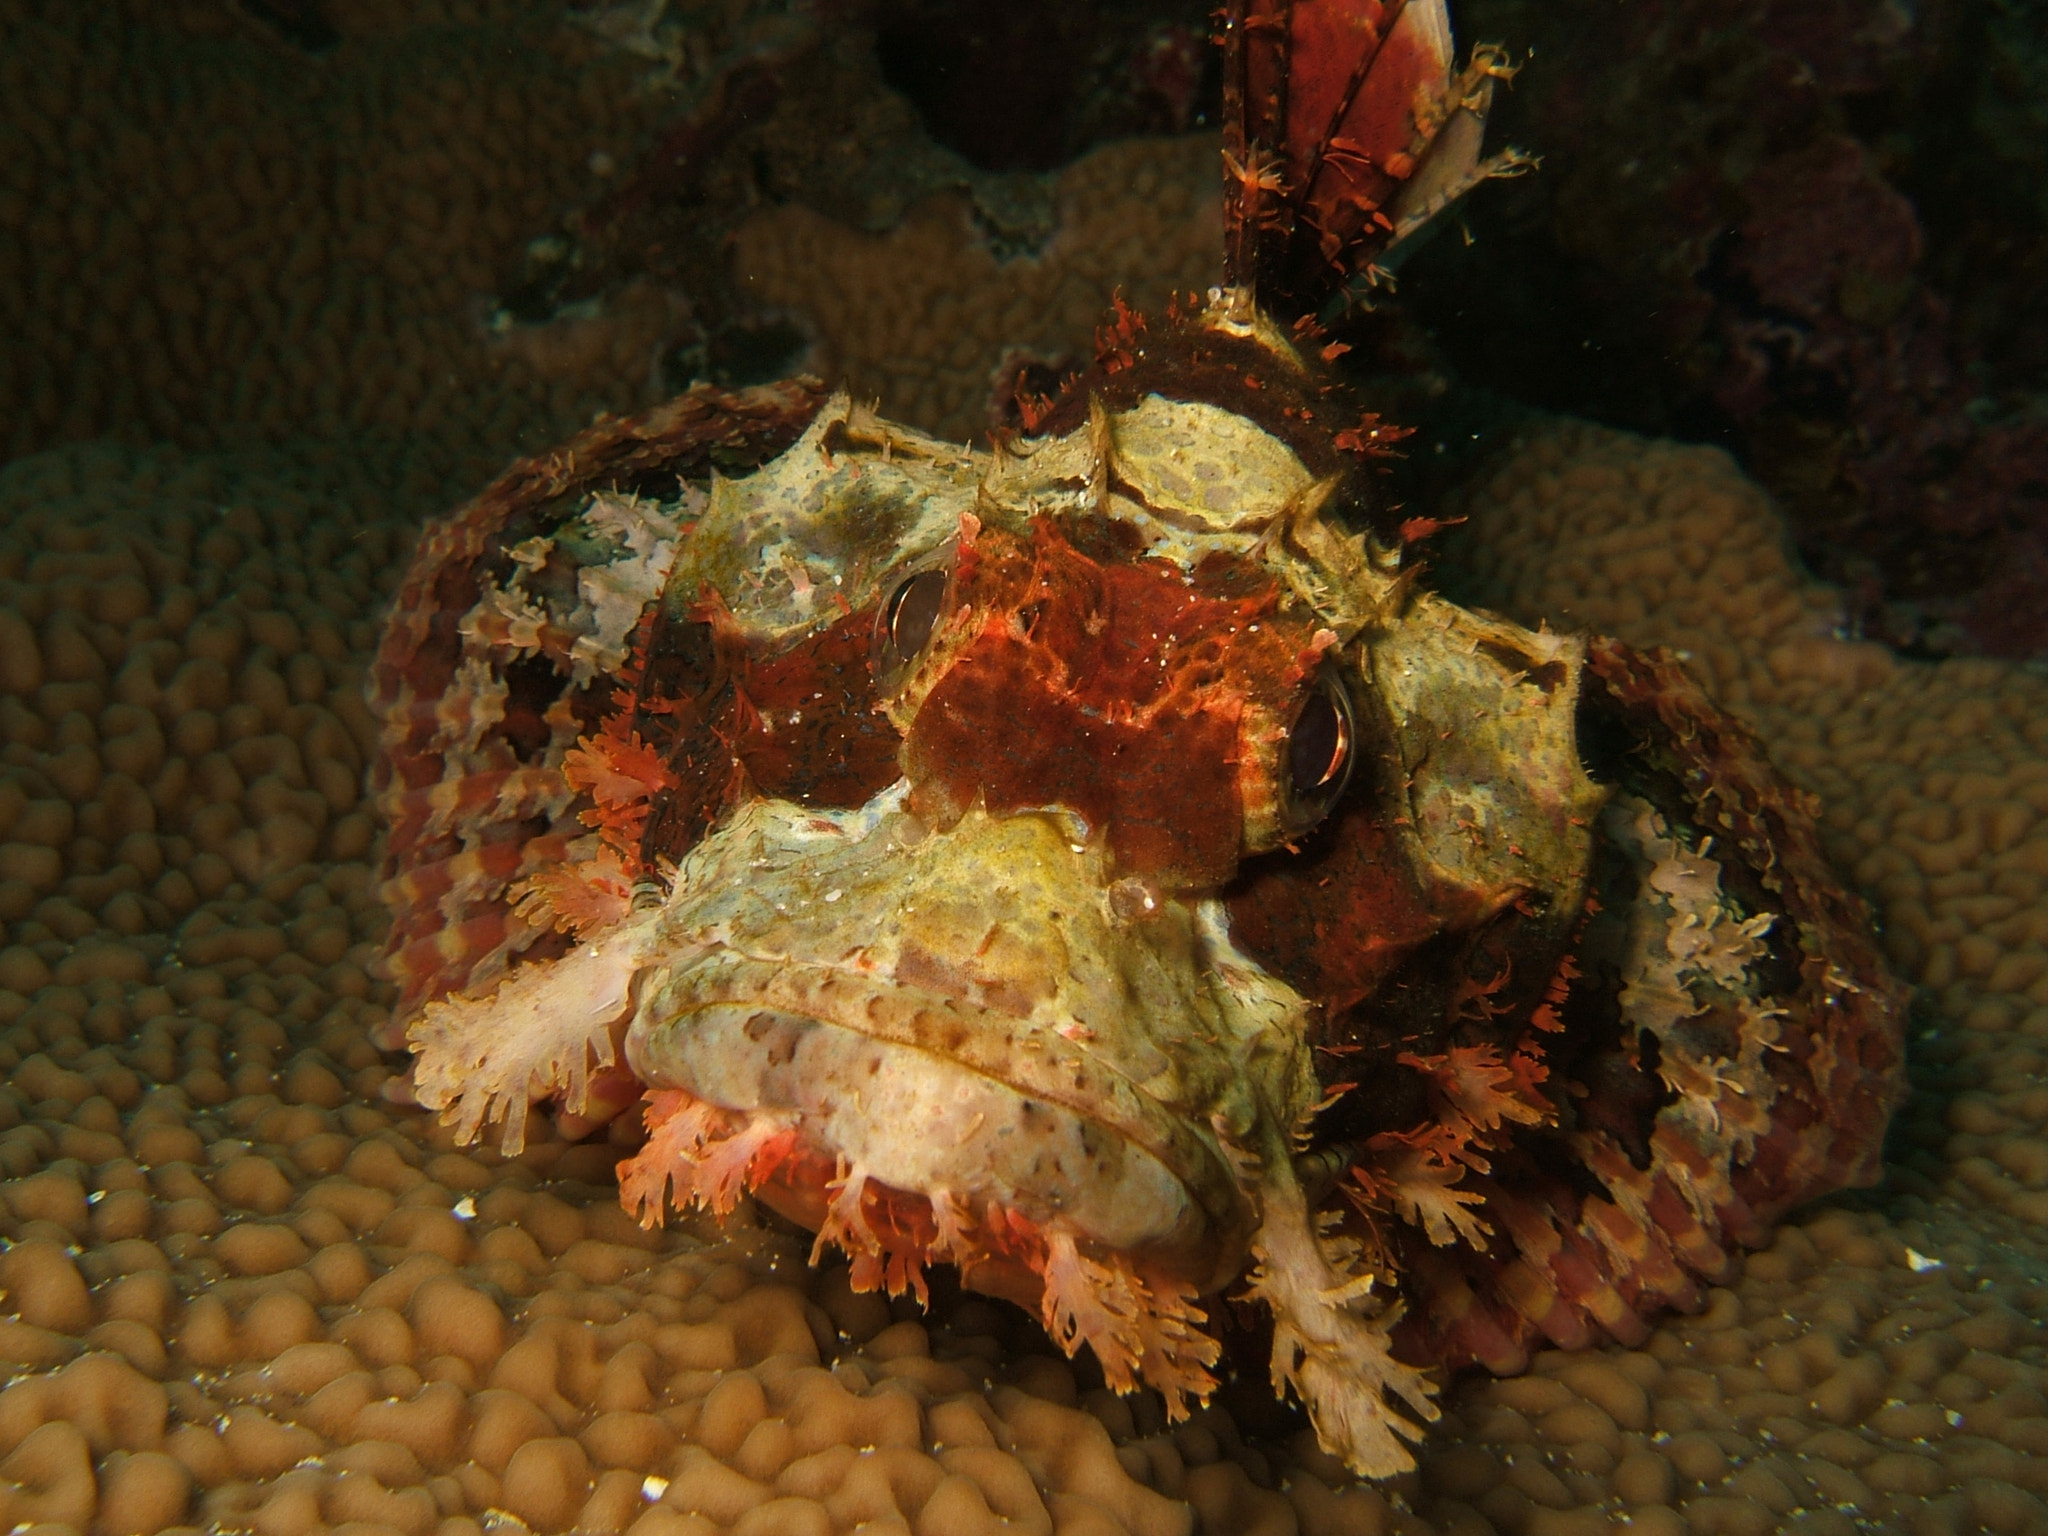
(1175,1352)
(578,897)
(1094,1304)
(698,1154)
(952,1227)
(1416,1176)
(845,1222)
(622,775)
(540,1033)
(1144,1331)
(887,1234)
(1481,1089)
(1330,1338)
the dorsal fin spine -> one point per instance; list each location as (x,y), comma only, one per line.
(1383,29)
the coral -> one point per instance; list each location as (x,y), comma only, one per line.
(208,237)
(922,316)
(815,222)
(465,228)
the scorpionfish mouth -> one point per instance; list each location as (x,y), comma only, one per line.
(948,1055)
(1023,1072)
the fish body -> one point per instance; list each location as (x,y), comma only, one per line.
(1097,862)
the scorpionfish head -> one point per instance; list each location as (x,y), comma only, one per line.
(1088,865)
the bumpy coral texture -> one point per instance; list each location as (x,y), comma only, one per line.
(924,316)
(207,236)
(244,1290)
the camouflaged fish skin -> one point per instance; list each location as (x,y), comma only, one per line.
(1099,863)
(1064,987)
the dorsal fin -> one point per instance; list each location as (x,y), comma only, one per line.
(1346,127)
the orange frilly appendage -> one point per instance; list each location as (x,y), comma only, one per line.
(621,776)
(1144,1329)
(577,898)
(1418,1175)
(698,1154)
(1144,1326)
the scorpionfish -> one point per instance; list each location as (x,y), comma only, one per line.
(1099,863)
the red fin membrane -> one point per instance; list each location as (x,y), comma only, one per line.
(1347,128)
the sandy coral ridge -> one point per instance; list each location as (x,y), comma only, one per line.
(208,236)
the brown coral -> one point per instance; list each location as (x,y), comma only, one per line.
(922,317)
(207,237)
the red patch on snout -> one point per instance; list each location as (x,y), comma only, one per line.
(1116,689)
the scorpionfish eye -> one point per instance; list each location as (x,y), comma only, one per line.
(904,625)
(1320,753)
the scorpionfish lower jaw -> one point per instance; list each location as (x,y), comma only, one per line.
(1010,1040)
(1014,1072)
(914,1120)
